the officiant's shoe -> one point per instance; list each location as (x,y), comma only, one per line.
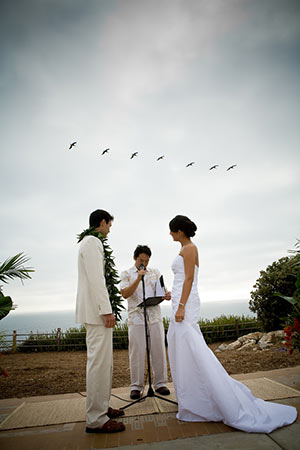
(114,413)
(135,395)
(163,390)
(111,426)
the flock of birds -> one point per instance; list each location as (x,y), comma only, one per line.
(134,155)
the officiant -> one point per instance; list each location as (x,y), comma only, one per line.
(131,289)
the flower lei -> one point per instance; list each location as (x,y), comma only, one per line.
(110,271)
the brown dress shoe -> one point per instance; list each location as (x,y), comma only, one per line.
(114,413)
(111,426)
(135,395)
(163,390)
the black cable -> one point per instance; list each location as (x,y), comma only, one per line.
(116,396)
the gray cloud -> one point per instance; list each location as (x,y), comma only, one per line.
(211,82)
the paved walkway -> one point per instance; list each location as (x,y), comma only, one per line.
(155,431)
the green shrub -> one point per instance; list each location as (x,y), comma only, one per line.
(219,328)
(69,340)
(39,343)
(224,327)
(73,339)
(269,307)
(228,327)
(4,343)
(120,336)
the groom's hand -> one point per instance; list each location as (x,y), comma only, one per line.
(109,320)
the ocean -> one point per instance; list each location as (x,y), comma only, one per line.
(47,321)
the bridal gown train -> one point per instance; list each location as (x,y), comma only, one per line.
(204,390)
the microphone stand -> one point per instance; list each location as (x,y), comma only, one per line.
(150,392)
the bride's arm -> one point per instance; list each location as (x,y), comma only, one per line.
(189,259)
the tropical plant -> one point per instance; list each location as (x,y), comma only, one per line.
(292,336)
(295,264)
(292,321)
(6,305)
(12,268)
(294,300)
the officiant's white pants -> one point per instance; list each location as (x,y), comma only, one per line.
(98,373)
(137,352)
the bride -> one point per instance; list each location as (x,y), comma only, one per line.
(204,390)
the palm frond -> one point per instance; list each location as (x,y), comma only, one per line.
(14,267)
(297,251)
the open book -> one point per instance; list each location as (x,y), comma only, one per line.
(160,292)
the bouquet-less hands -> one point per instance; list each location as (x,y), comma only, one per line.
(109,320)
(141,273)
(179,315)
(167,296)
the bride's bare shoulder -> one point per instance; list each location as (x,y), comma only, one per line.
(189,249)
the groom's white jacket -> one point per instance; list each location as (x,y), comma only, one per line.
(92,296)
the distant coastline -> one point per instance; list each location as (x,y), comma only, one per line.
(47,321)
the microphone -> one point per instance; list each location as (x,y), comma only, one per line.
(142,267)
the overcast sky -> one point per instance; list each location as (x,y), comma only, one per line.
(209,81)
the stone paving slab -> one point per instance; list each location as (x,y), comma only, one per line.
(156,431)
(236,441)
(288,438)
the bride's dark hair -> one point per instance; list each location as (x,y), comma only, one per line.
(184,224)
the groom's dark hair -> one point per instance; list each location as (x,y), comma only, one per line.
(97,216)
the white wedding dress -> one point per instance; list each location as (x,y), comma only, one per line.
(204,390)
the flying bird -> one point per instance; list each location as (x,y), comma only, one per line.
(160,157)
(214,167)
(190,164)
(105,151)
(133,155)
(72,145)
(232,167)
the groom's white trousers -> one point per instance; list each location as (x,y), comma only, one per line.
(98,373)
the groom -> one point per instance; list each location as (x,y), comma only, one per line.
(93,308)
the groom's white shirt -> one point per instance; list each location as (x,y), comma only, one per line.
(92,296)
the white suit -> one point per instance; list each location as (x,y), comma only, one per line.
(93,301)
